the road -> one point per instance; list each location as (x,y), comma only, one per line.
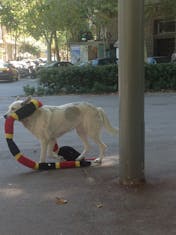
(96,203)
(15,88)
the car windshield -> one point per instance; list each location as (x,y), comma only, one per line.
(48,64)
(52,64)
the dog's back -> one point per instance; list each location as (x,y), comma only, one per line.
(57,120)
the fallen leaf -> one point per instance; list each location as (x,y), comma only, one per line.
(61,201)
(99,205)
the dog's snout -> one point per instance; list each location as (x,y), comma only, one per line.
(5,116)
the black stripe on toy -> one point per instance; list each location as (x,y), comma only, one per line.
(26,111)
(84,163)
(13,147)
(47,166)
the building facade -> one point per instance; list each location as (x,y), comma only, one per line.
(8,47)
(160,30)
(160,38)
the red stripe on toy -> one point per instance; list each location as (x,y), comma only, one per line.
(39,103)
(9,125)
(68,164)
(27,162)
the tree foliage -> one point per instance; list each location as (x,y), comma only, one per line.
(163,8)
(168,7)
(27,47)
(49,19)
(41,16)
(11,16)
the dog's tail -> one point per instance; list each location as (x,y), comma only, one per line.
(106,122)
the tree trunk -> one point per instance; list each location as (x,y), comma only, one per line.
(56,46)
(48,43)
(15,53)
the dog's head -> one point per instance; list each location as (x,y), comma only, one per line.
(16,105)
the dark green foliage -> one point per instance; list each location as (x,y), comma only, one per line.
(27,47)
(100,79)
(75,79)
(159,77)
(29,90)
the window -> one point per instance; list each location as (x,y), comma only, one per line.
(163,26)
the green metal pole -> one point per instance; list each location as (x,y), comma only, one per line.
(131,88)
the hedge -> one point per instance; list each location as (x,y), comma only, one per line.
(100,79)
(159,77)
(75,79)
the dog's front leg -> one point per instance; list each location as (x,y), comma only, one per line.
(43,151)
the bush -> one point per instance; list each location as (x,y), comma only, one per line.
(160,77)
(100,79)
(77,79)
(29,90)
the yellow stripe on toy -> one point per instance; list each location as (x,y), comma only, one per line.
(57,164)
(17,156)
(35,103)
(15,116)
(9,136)
(36,167)
(77,163)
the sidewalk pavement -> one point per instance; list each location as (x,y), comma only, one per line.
(95,203)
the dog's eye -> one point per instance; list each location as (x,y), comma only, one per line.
(13,109)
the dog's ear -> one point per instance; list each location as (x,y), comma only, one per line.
(26,101)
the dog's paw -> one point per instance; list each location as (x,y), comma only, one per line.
(98,160)
(80,158)
(60,158)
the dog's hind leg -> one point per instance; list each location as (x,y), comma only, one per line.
(101,145)
(83,136)
(93,131)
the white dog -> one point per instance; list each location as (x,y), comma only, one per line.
(50,122)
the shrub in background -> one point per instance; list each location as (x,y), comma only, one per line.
(99,79)
(160,77)
(75,79)
(29,90)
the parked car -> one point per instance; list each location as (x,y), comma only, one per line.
(55,64)
(81,64)
(8,72)
(103,61)
(158,59)
(21,67)
(58,64)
